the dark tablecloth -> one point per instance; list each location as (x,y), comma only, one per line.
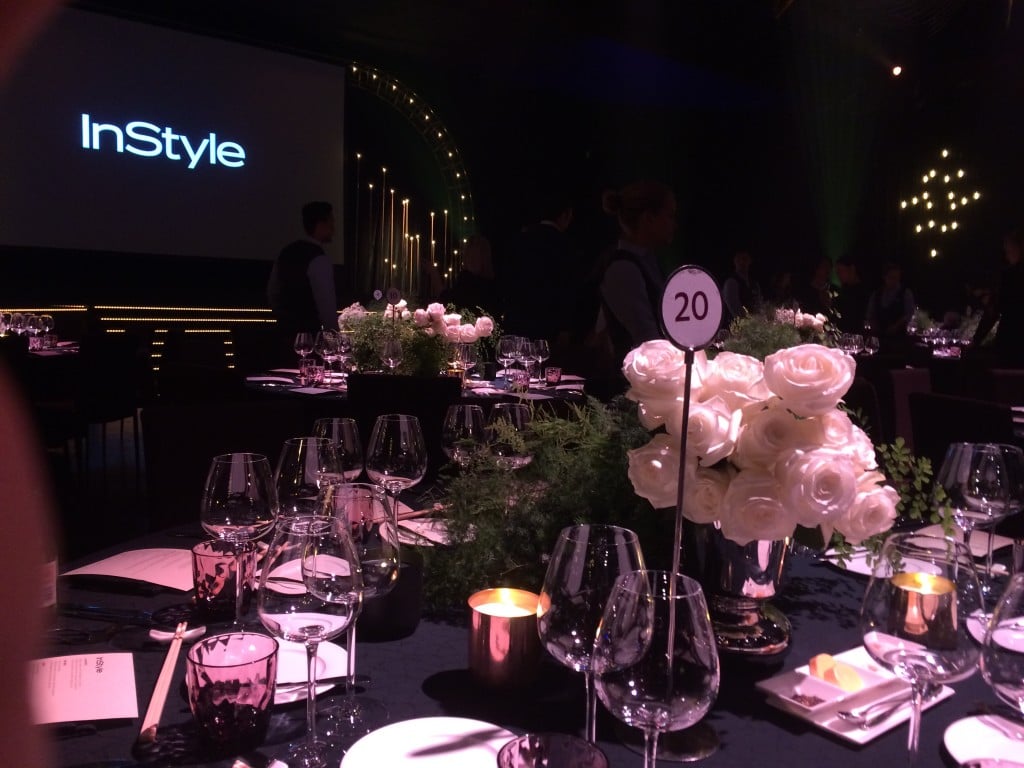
(425,674)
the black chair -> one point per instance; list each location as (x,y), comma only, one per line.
(938,420)
(904,382)
(426,398)
(862,399)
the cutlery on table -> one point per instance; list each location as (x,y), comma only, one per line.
(870,715)
(147,734)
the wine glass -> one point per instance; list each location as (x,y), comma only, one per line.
(33,325)
(239,505)
(508,350)
(391,353)
(463,433)
(507,428)
(1013,458)
(542,351)
(919,605)
(46,323)
(311,589)
(586,561)
(17,323)
(301,467)
(303,344)
(396,456)
(973,477)
(655,663)
(326,346)
(343,433)
(373,525)
(1002,654)
(526,356)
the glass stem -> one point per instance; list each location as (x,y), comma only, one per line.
(986,586)
(588,680)
(650,748)
(916,704)
(311,648)
(239,582)
(350,653)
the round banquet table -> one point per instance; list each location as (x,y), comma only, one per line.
(425,674)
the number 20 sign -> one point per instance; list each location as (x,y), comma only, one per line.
(691,308)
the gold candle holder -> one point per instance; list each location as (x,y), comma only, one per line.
(925,609)
(504,649)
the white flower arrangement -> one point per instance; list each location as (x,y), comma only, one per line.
(434,320)
(768,447)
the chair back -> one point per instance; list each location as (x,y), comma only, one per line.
(938,420)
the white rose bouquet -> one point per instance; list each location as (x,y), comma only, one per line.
(768,447)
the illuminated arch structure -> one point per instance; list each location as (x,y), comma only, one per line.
(425,120)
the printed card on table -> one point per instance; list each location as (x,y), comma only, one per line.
(86,686)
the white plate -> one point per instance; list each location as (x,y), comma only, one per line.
(780,690)
(423,533)
(857,562)
(974,738)
(979,539)
(331,661)
(444,742)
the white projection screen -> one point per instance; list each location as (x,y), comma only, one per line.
(124,137)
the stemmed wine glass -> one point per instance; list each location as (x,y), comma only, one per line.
(508,350)
(1013,458)
(542,351)
(343,432)
(46,323)
(303,464)
(1002,655)
(463,433)
(373,525)
(396,456)
(526,356)
(311,589)
(391,353)
(655,663)
(326,346)
(239,505)
(507,428)
(303,345)
(919,606)
(974,479)
(586,561)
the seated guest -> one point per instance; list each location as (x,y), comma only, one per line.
(890,307)
(740,292)
(1006,305)
(851,301)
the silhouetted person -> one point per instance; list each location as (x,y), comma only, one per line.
(740,292)
(891,307)
(301,285)
(814,294)
(1006,305)
(474,286)
(851,300)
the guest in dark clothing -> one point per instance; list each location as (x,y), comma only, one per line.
(851,301)
(538,280)
(740,292)
(1007,306)
(814,295)
(891,307)
(301,285)
(633,281)
(474,285)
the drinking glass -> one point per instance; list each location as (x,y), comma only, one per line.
(542,352)
(303,344)
(391,353)
(526,356)
(311,589)
(301,466)
(463,433)
(344,436)
(586,561)
(326,346)
(396,456)
(33,325)
(46,323)
(508,350)
(506,429)
(239,505)
(1002,654)
(974,478)
(5,323)
(1013,458)
(373,525)
(17,323)
(655,663)
(919,605)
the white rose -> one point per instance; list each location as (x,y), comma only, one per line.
(467,333)
(421,317)
(810,379)
(817,486)
(484,326)
(406,314)
(452,319)
(738,379)
(435,309)
(785,316)
(862,449)
(655,412)
(656,370)
(815,322)
(771,432)
(451,333)
(703,491)
(711,431)
(654,470)
(752,509)
(873,510)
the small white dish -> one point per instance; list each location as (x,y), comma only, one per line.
(444,742)
(975,738)
(331,661)
(426,532)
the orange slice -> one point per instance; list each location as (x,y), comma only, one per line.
(821,664)
(844,676)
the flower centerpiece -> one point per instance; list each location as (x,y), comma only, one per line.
(425,334)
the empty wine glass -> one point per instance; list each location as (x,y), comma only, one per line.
(46,323)
(508,350)
(507,428)
(526,356)
(655,663)
(17,323)
(239,505)
(310,591)
(542,351)
(918,608)
(343,433)
(391,353)
(1002,655)
(302,465)
(463,433)
(326,346)
(584,565)
(1013,459)
(303,344)
(396,456)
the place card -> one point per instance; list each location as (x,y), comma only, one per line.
(86,686)
(166,567)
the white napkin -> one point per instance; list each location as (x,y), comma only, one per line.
(312,390)
(166,567)
(280,379)
(979,539)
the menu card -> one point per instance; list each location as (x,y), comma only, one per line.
(87,686)
(166,567)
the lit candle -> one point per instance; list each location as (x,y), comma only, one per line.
(925,608)
(504,649)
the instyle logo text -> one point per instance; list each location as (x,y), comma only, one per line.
(150,140)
